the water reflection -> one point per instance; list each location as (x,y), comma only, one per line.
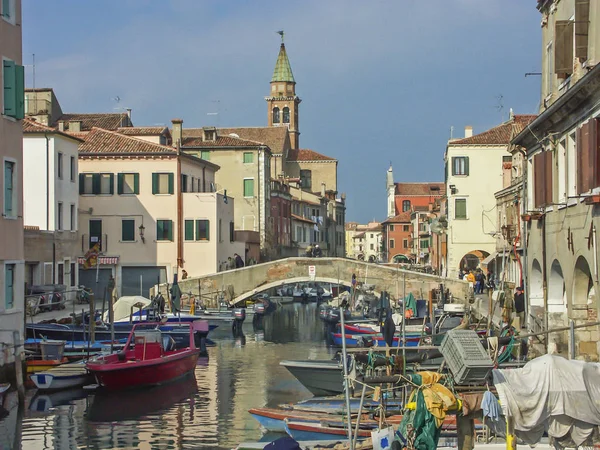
(208,410)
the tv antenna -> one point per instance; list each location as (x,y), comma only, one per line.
(500,106)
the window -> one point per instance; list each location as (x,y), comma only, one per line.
(96,183)
(60,273)
(563,48)
(220,230)
(184,183)
(405,243)
(73,168)
(460,208)
(13,77)
(9,286)
(107,183)
(561,156)
(305,179)
(424,244)
(405,205)
(10,194)
(59,165)
(276,115)
(372,247)
(582,24)
(406,228)
(95,227)
(86,183)
(571,166)
(128,183)
(189,230)
(205,155)
(59,216)
(248,157)
(192,184)
(163,183)
(248,187)
(73,275)
(164,230)
(460,165)
(8,10)
(231,232)
(128,230)
(549,69)
(202,230)
(392,243)
(391,227)
(286,115)
(73,218)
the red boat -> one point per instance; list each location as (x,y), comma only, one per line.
(152,360)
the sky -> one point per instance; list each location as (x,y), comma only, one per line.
(380,81)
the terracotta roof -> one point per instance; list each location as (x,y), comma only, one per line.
(221,141)
(276,138)
(33,127)
(304,154)
(420,189)
(302,219)
(359,235)
(142,131)
(102,142)
(403,217)
(500,135)
(108,121)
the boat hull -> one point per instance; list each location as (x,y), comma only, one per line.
(319,377)
(304,431)
(47,381)
(372,340)
(144,373)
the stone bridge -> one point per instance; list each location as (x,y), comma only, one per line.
(240,284)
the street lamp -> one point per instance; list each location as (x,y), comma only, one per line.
(142,228)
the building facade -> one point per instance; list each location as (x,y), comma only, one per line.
(153,211)
(397,236)
(12,109)
(403,197)
(421,235)
(50,205)
(473,174)
(563,178)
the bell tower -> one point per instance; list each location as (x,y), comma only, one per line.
(282,103)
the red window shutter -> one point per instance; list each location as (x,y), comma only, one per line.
(548,187)
(538,180)
(592,161)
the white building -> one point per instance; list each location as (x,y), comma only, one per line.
(154,212)
(473,174)
(50,203)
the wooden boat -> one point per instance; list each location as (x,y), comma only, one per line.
(40,365)
(337,405)
(321,377)
(153,360)
(65,376)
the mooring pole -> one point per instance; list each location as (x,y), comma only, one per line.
(346,384)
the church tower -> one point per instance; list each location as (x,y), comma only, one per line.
(282,104)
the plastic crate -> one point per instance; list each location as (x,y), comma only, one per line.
(52,350)
(465,356)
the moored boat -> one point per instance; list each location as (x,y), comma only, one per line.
(153,360)
(374,340)
(64,376)
(321,377)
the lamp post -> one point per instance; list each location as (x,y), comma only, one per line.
(142,228)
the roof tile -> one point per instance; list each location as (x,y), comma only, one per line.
(108,121)
(33,127)
(103,142)
(403,217)
(420,189)
(276,138)
(142,131)
(499,135)
(304,154)
(221,141)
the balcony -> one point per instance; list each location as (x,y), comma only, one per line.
(37,106)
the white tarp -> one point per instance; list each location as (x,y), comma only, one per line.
(552,394)
(122,307)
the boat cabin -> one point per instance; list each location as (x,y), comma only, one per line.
(151,344)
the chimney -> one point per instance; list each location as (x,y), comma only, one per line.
(468,131)
(61,126)
(323,190)
(75,126)
(177,132)
(129,114)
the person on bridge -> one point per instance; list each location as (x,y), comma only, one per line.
(317,253)
(239,262)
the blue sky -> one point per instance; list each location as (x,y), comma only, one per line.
(380,80)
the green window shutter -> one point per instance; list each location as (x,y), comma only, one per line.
(453,166)
(96,184)
(154,183)
(460,208)
(169,226)
(136,183)
(128,230)
(466,165)
(159,230)
(171,183)
(111,177)
(205,155)
(81,183)
(20,92)
(248,157)
(249,188)
(10,86)
(6,8)
(120,177)
(189,230)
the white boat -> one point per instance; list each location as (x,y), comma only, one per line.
(65,376)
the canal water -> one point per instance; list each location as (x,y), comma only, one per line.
(208,410)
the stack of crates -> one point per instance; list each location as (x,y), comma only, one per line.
(465,356)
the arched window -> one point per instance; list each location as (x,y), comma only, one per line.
(276,115)
(405,205)
(286,115)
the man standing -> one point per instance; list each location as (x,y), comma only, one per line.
(239,262)
(520,305)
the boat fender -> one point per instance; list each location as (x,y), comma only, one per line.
(122,356)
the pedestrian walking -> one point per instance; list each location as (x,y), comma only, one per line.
(520,305)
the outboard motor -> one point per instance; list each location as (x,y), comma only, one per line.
(259,308)
(239,315)
(324,311)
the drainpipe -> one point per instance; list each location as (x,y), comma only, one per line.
(179,209)
(544,278)
(524,242)
(47,181)
(261,229)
